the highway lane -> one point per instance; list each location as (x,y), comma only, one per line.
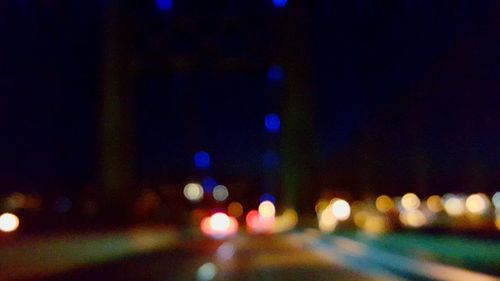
(300,255)
(372,260)
(276,257)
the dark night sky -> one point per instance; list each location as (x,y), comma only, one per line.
(389,78)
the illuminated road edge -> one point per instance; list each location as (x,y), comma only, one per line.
(362,258)
(45,256)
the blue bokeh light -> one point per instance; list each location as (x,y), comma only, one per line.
(272,122)
(270,160)
(279,3)
(267,197)
(275,73)
(201,159)
(164,5)
(208,184)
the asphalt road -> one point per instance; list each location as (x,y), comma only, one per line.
(304,255)
(278,257)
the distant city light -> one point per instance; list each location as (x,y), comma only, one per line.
(219,225)
(384,203)
(219,221)
(275,73)
(252,220)
(193,192)
(256,223)
(235,209)
(413,218)
(321,205)
(208,184)
(266,209)
(220,193)
(410,201)
(496,199)
(434,203)
(279,3)
(267,197)
(454,205)
(201,159)
(286,221)
(165,5)
(206,272)
(341,209)
(272,122)
(477,203)
(327,221)
(375,224)
(8,222)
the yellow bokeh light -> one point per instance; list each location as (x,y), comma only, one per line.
(434,204)
(454,206)
(477,203)
(8,222)
(384,203)
(375,224)
(413,218)
(286,221)
(327,221)
(193,192)
(410,201)
(235,209)
(360,218)
(266,209)
(341,209)
(321,205)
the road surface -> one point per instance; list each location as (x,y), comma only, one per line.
(166,255)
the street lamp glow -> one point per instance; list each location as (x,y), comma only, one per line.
(477,203)
(266,209)
(327,222)
(434,204)
(384,203)
(496,199)
(410,201)
(454,205)
(413,218)
(193,192)
(8,222)
(220,193)
(341,209)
